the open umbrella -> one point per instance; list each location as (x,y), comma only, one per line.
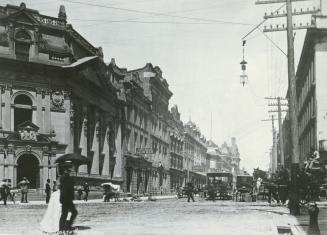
(75,158)
(114,186)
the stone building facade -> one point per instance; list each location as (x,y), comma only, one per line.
(195,154)
(154,115)
(56,97)
(176,134)
(311,95)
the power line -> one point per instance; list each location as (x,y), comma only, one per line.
(155,13)
(153,22)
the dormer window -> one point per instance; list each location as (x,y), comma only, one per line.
(22,45)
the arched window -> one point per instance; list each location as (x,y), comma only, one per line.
(23,109)
(22,45)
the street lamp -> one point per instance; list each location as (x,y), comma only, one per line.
(243,76)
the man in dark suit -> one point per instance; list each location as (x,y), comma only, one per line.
(66,197)
(190,191)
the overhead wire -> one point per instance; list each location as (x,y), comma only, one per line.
(156,13)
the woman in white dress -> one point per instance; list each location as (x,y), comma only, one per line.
(50,221)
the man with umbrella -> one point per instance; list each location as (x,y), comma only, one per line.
(66,186)
(23,184)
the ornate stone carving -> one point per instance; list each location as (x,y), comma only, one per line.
(28,135)
(4,39)
(57,100)
(28,131)
(28,148)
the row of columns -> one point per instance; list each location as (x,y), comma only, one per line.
(97,141)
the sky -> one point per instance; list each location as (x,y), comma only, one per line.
(198,46)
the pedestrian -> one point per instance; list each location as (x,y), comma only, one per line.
(190,191)
(79,192)
(54,186)
(47,191)
(24,189)
(313,219)
(86,189)
(4,192)
(66,186)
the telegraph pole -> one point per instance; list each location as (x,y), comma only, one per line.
(294,199)
(280,123)
(274,147)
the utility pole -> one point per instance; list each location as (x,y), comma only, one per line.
(274,146)
(280,123)
(294,198)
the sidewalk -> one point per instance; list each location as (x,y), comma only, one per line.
(128,200)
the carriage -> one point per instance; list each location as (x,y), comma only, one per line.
(219,186)
(244,186)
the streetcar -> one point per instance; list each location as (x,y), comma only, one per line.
(220,186)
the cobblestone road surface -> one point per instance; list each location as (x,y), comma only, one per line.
(160,217)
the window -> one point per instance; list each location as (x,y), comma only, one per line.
(22,51)
(22,45)
(23,110)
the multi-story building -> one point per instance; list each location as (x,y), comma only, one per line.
(224,159)
(138,147)
(195,154)
(311,95)
(56,97)
(176,134)
(157,91)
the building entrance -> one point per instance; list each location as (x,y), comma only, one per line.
(28,166)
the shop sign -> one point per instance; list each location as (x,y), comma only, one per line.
(144,150)
(198,168)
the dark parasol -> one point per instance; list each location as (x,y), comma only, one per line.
(75,158)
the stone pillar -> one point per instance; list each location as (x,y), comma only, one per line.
(7,109)
(106,153)
(2,164)
(53,169)
(39,112)
(95,149)
(11,31)
(45,166)
(69,123)
(118,154)
(47,112)
(1,94)
(11,164)
(83,146)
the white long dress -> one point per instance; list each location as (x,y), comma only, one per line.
(50,221)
